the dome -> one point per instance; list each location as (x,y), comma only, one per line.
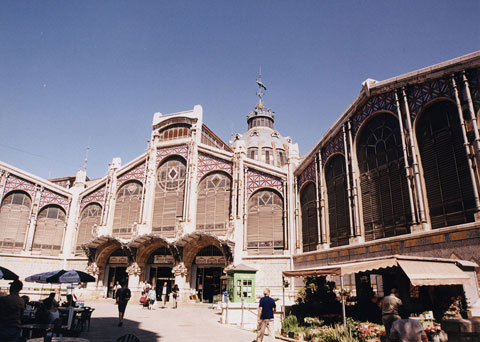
(262,142)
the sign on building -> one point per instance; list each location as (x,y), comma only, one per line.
(118,260)
(163,259)
(203,260)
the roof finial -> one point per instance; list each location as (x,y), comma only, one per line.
(261,87)
(84,168)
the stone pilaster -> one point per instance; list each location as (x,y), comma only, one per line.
(33,219)
(73,214)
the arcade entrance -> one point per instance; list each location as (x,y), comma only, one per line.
(117,270)
(208,269)
(160,265)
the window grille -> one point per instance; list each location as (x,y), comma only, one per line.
(49,231)
(177,131)
(445,166)
(265,231)
(91,215)
(169,193)
(213,203)
(384,188)
(338,213)
(14,218)
(309,218)
(127,209)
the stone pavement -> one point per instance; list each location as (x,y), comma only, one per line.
(190,322)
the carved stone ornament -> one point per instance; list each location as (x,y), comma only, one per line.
(93,269)
(134,269)
(230,230)
(180,270)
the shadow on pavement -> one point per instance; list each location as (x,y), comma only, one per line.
(105,329)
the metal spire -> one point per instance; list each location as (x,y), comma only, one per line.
(84,168)
(261,87)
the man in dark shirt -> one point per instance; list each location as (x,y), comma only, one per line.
(11,311)
(122,296)
(266,309)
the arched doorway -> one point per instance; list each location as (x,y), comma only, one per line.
(309,218)
(207,271)
(116,269)
(159,269)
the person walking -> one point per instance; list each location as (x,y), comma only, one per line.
(11,311)
(175,291)
(407,330)
(390,306)
(121,298)
(266,309)
(115,288)
(152,295)
(164,294)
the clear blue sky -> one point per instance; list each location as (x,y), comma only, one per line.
(74,73)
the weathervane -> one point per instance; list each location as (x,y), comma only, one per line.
(261,87)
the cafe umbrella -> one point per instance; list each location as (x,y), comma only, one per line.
(7,274)
(61,277)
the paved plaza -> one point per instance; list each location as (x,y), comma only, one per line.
(190,322)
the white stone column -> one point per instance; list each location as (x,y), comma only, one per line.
(73,214)
(473,116)
(111,195)
(408,171)
(359,232)
(324,227)
(468,153)
(351,212)
(416,170)
(150,184)
(33,219)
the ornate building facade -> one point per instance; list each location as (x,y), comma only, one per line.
(396,174)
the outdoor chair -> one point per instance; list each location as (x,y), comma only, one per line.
(128,338)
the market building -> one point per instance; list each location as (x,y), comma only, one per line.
(395,175)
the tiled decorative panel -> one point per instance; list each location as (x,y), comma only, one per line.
(137,173)
(207,163)
(335,145)
(385,101)
(420,94)
(96,196)
(49,197)
(15,183)
(257,179)
(181,150)
(307,174)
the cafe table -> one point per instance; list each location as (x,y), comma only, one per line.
(60,339)
(31,327)
(71,310)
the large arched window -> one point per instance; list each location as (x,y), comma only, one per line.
(383,182)
(127,209)
(90,216)
(48,236)
(213,203)
(264,223)
(309,218)
(445,166)
(169,192)
(338,213)
(14,216)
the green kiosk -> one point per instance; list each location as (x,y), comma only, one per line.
(241,283)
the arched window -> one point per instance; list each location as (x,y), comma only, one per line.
(48,236)
(384,188)
(281,158)
(338,213)
(213,203)
(14,216)
(267,155)
(265,224)
(309,218)
(178,131)
(127,209)
(91,215)
(445,166)
(169,192)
